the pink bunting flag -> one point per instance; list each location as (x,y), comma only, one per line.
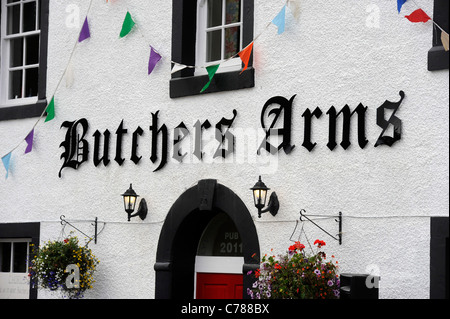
(29,140)
(418,16)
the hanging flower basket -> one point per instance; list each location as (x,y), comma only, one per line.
(63,265)
(297,275)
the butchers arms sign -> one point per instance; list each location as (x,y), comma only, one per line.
(276,125)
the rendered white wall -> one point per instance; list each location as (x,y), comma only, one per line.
(330,57)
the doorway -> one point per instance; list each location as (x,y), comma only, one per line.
(180,246)
(219,261)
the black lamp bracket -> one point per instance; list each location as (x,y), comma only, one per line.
(142,210)
(338,220)
(272,207)
(94,223)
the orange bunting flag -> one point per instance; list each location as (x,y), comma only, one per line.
(245,56)
(418,16)
(444,39)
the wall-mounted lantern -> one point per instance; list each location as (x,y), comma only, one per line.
(129,202)
(260,195)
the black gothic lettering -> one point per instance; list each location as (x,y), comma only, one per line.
(362,140)
(105,157)
(286,106)
(134,157)
(228,136)
(120,132)
(307,133)
(393,120)
(198,137)
(276,118)
(180,133)
(155,132)
(76,148)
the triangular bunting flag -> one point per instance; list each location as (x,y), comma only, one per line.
(50,110)
(29,140)
(400,3)
(85,33)
(178,67)
(294,6)
(444,39)
(418,16)
(280,20)
(6,160)
(127,25)
(211,72)
(245,55)
(69,75)
(154,59)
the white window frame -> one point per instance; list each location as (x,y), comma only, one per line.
(5,55)
(234,64)
(12,241)
(13,284)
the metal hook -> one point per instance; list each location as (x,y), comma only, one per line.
(64,222)
(339,220)
(301,214)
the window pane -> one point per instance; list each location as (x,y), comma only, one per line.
(232,41)
(32,54)
(213,46)
(233,13)
(29,16)
(13,19)
(15,85)
(5,257)
(31,82)
(20,257)
(214,13)
(16,52)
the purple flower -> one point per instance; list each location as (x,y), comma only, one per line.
(336,292)
(317,272)
(330,283)
(250,293)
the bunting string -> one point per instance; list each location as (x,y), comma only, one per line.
(49,109)
(155,57)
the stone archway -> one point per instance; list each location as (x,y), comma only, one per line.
(180,235)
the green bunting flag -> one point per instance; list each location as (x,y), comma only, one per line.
(128,24)
(50,110)
(211,72)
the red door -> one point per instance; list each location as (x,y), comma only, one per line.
(219,286)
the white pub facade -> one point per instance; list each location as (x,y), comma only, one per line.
(339,107)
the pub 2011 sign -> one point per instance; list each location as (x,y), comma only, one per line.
(276,119)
